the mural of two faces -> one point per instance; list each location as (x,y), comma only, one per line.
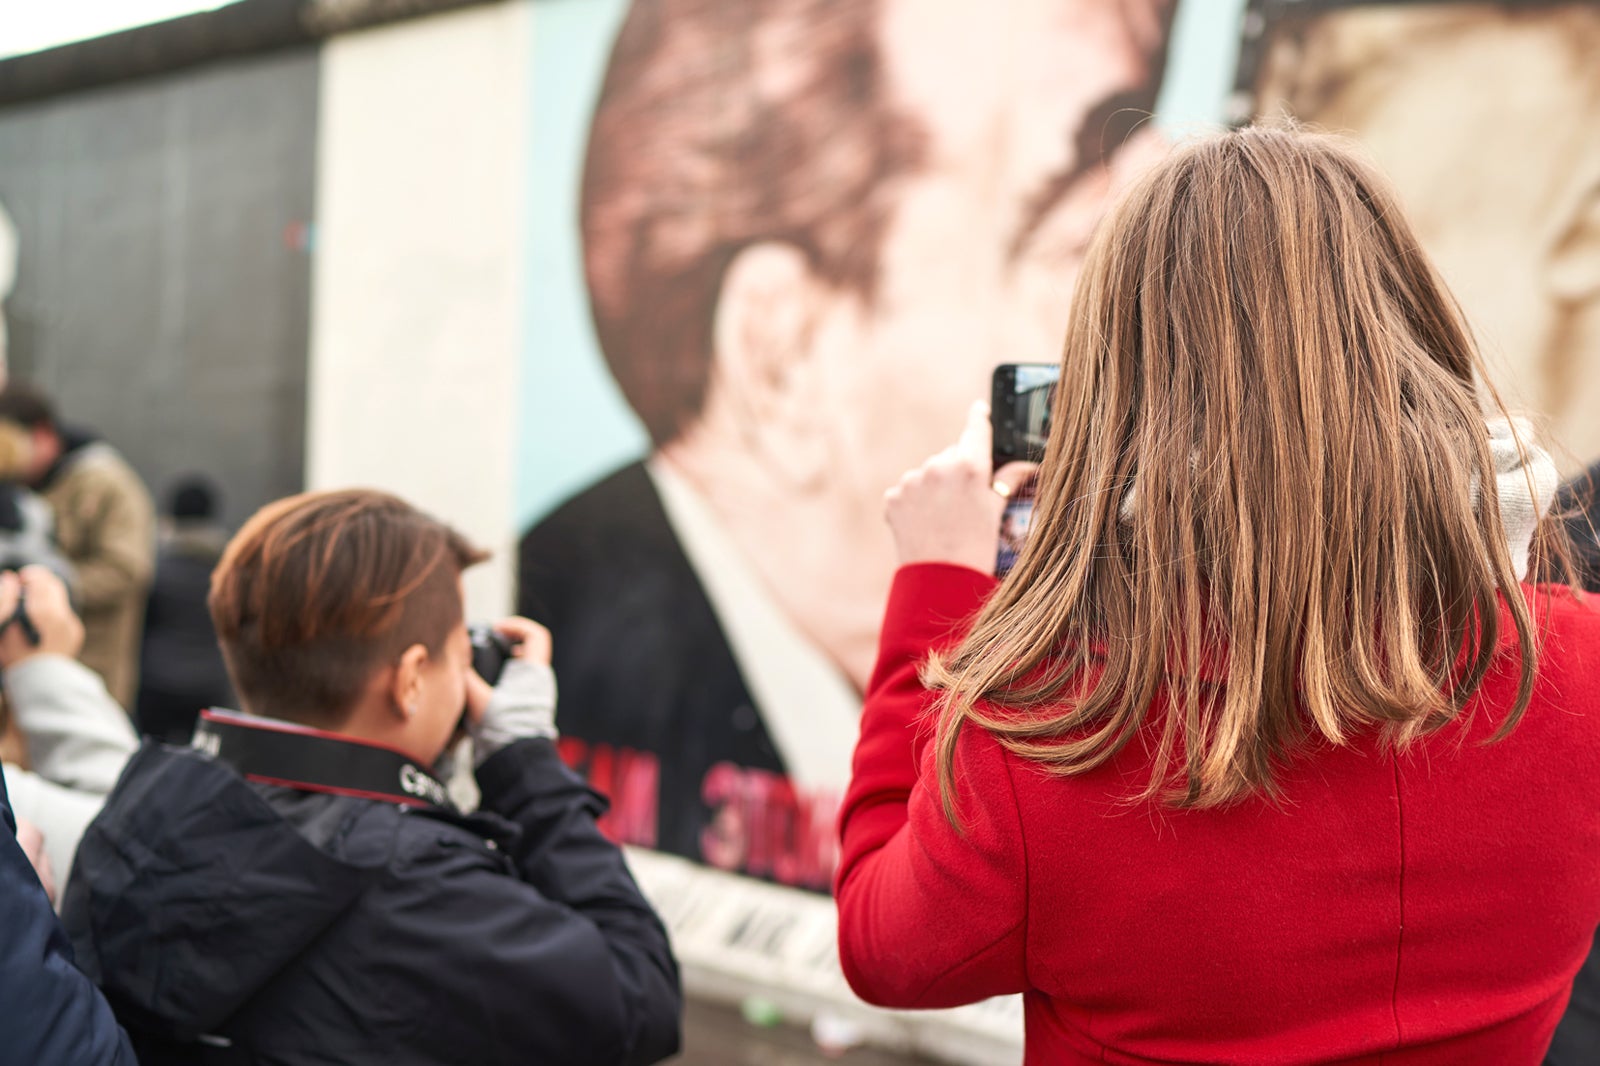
(809,231)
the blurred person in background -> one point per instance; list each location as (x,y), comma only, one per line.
(77,738)
(770,199)
(299,879)
(27,538)
(181,671)
(105,524)
(1263,752)
(27,523)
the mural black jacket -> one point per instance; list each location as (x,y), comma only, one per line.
(235,922)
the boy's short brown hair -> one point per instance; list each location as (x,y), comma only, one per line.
(318,591)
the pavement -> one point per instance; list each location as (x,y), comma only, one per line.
(720,1036)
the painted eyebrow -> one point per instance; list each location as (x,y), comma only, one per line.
(1104,129)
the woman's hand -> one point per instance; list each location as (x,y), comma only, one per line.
(48,610)
(948,509)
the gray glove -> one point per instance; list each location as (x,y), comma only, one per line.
(1525,481)
(523,706)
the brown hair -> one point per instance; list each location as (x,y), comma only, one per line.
(318,591)
(1258,500)
(26,406)
(694,155)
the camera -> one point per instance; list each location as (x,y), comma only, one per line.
(490,651)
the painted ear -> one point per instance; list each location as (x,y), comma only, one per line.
(1572,271)
(405,689)
(766,362)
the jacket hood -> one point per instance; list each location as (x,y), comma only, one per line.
(190,892)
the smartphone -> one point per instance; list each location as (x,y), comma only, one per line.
(1020,402)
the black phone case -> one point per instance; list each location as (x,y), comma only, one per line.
(1002,414)
(1010,440)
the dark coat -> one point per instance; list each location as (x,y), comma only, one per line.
(606,571)
(1577,1039)
(181,670)
(51,1012)
(1578,502)
(305,928)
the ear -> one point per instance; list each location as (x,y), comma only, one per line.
(405,689)
(765,360)
(1572,271)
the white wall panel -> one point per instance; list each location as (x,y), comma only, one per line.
(420,271)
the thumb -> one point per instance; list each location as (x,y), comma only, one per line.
(976,444)
(1014,477)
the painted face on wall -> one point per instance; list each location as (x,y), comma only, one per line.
(835,347)
(810,231)
(986,236)
(1501,179)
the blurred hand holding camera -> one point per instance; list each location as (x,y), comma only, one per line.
(36,617)
(522,702)
(948,509)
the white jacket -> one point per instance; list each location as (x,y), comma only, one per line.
(78,740)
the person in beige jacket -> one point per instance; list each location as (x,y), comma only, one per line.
(105,524)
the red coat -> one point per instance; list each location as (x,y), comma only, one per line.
(1426,908)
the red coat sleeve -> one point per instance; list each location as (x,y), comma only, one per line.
(929,916)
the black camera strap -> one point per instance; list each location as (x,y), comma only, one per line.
(274,752)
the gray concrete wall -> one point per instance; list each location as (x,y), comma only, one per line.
(162,297)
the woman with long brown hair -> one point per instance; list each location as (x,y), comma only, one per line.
(1264,752)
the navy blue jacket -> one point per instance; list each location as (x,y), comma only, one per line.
(235,922)
(1577,1039)
(49,1011)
